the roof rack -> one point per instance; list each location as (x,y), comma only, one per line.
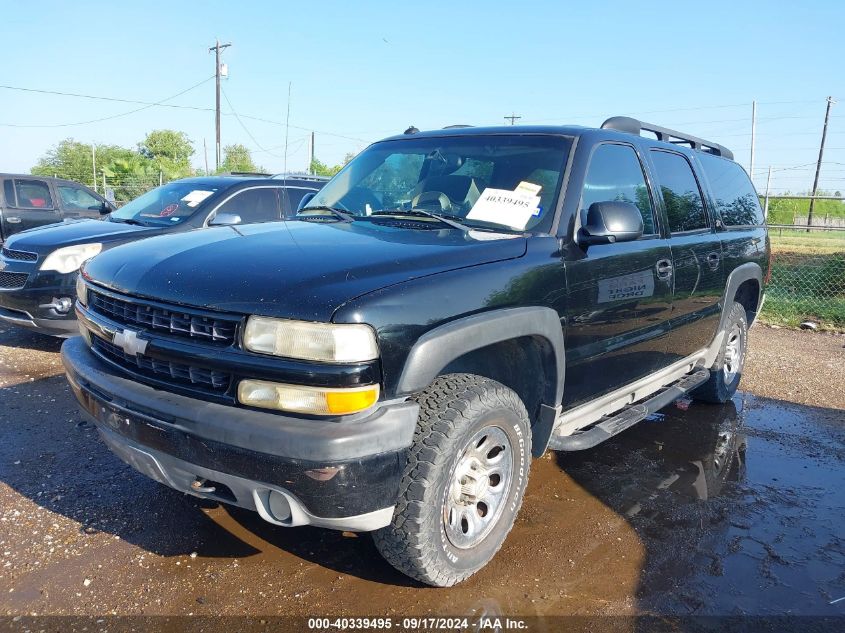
(251,174)
(634,126)
(456,126)
(302,176)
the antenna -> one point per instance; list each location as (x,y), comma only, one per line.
(287,129)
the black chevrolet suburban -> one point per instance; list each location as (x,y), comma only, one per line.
(450,305)
(38,267)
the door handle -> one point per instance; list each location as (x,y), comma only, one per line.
(13,220)
(664,268)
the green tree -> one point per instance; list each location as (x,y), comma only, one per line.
(170,150)
(71,159)
(237,157)
(319,168)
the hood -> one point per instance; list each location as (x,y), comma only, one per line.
(46,239)
(300,270)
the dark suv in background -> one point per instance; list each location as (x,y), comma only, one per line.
(38,267)
(449,305)
(28,201)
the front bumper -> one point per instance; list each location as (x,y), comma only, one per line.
(294,471)
(30,305)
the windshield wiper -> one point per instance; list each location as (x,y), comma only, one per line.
(428,214)
(343,215)
(127,221)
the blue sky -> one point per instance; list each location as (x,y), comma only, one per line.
(361,71)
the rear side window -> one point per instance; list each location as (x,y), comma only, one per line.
(684,205)
(616,175)
(733,192)
(9,192)
(33,194)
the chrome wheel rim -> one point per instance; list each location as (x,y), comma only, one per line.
(732,363)
(478,487)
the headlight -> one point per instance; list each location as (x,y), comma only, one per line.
(328,342)
(313,400)
(70,258)
(81,290)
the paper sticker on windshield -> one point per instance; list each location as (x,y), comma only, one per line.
(195,197)
(508,208)
(169,210)
(529,187)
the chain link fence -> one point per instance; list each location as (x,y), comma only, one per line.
(807,279)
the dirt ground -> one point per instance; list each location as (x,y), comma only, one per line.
(702,509)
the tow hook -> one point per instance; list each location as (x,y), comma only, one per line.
(198,485)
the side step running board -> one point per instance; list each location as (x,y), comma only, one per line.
(629,416)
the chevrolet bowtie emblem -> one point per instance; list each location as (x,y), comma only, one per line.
(130,343)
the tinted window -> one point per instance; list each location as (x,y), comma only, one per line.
(253,205)
(733,192)
(681,194)
(76,198)
(615,174)
(293,197)
(9,192)
(33,194)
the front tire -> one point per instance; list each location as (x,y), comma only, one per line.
(727,370)
(464,481)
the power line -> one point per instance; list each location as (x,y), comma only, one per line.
(103,98)
(114,116)
(254,140)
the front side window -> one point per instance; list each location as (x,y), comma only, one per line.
(33,194)
(252,205)
(733,192)
(77,199)
(681,195)
(494,181)
(169,204)
(292,196)
(616,175)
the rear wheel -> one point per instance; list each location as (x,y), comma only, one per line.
(464,481)
(727,370)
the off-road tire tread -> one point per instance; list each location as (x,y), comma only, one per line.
(451,401)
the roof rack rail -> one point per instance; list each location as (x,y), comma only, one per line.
(635,126)
(292,175)
(252,174)
(456,126)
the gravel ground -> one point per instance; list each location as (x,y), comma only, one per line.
(732,509)
(796,366)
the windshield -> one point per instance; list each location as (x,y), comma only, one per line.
(497,181)
(169,204)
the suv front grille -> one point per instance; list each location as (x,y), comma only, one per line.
(169,320)
(188,375)
(22,256)
(12,281)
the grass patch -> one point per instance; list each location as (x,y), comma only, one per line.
(820,242)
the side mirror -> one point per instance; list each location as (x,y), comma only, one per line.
(225,219)
(610,222)
(308,197)
(104,208)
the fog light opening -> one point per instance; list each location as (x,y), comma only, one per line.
(279,507)
(64,305)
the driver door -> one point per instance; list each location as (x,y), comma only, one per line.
(619,297)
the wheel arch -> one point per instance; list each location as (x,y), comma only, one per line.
(744,284)
(523,348)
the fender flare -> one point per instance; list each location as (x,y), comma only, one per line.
(438,347)
(740,274)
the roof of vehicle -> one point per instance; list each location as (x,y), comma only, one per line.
(619,127)
(39,177)
(229,180)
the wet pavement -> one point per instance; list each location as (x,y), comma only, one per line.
(702,509)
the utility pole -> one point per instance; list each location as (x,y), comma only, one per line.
(753,138)
(830,102)
(766,205)
(94,164)
(513,118)
(217,48)
(311,154)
